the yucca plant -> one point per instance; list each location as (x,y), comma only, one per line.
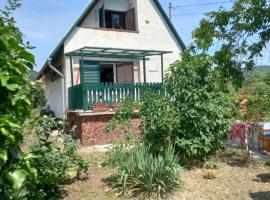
(145,175)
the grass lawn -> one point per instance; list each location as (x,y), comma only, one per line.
(233,180)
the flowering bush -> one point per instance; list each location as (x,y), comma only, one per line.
(240,131)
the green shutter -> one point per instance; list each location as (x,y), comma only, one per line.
(90,72)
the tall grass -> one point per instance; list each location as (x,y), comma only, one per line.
(145,175)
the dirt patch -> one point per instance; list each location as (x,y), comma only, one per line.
(93,186)
(232,180)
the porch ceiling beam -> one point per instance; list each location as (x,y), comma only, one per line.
(105,56)
(119,51)
(108,54)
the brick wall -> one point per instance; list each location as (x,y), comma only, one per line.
(91,129)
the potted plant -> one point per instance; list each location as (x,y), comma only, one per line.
(100,107)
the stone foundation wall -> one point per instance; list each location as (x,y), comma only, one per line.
(91,129)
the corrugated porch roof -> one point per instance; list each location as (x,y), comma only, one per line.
(115,52)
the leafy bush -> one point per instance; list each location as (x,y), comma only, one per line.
(122,121)
(55,159)
(196,119)
(117,155)
(256,93)
(158,122)
(15,106)
(37,95)
(145,175)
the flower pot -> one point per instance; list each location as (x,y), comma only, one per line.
(100,107)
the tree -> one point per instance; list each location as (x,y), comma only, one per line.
(15,106)
(238,36)
(196,118)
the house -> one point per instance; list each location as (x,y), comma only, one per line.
(114,49)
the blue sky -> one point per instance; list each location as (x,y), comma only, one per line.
(45,22)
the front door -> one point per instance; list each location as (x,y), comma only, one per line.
(107,73)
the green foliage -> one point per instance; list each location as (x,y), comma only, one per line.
(36,94)
(15,106)
(145,175)
(238,35)
(117,155)
(158,122)
(47,111)
(210,164)
(257,91)
(197,117)
(267,162)
(56,161)
(122,120)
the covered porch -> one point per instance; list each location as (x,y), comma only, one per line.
(110,83)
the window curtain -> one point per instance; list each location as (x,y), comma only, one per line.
(124,73)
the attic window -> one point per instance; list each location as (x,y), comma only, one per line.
(115,20)
(111,19)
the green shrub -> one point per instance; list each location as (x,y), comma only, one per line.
(145,175)
(117,155)
(36,94)
(15,107)
(196,119)
(158,122)
(267,162)
(122,121)
(56,161)
(210,164)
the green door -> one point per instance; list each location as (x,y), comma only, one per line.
(90,72)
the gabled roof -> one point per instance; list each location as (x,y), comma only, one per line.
(93,3)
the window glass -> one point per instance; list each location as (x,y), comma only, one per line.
(114,19)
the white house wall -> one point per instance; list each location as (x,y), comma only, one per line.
(153,34)
(53,93)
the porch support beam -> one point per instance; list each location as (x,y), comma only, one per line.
(84,100)
(144,70)
(162,68)
(72,84)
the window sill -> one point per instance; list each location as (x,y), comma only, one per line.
(115,30)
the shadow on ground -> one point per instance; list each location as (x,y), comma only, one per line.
(265,178)
(260,195)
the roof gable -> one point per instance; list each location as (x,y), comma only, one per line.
(94,2)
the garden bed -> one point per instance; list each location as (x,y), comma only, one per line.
(234,180)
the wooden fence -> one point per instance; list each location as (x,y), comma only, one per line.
(83,96)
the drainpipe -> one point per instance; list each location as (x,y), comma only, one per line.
(63,84)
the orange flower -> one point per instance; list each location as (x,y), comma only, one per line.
(244,102)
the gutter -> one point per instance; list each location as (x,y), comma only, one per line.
(49,61)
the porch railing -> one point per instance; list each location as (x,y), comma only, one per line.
(83,96)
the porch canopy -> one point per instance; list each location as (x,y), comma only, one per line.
(99,52)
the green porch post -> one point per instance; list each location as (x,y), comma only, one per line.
(84,94)
(144,70)
(162,70)
(72,84)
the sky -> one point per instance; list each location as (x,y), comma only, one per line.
(45,22)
